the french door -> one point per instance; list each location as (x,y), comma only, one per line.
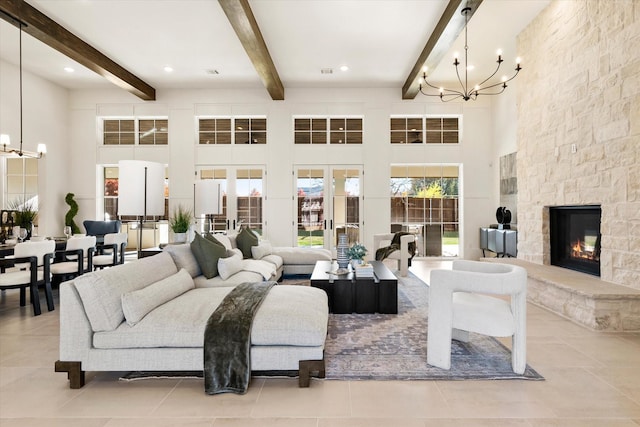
(242,198)
(328,203)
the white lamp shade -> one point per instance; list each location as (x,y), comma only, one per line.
(131,188)
(207,195)
(5,139)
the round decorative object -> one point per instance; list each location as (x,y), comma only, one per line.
(341,251)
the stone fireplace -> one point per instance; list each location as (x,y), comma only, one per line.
(577,133)
(575,237)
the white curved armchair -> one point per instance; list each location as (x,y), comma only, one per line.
(458,305)
(403,256)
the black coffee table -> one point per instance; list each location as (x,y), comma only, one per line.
(350,294)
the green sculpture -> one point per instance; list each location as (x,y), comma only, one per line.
(73,211)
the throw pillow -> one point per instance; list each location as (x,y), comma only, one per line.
(138,304)
(207,253)
(245,240)
(229,266)
(262,250)
(221,238)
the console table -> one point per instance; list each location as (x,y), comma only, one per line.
(503,242)
(350,294)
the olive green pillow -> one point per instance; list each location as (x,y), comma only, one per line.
(207,254)
(245,240)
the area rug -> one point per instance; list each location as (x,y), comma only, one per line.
(394,347)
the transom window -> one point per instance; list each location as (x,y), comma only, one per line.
(334,130)
(147,131)
(234,130)
(423,129)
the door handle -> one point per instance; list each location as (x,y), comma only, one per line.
(330,224)
(325,224)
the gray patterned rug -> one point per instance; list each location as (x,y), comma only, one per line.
(394,347)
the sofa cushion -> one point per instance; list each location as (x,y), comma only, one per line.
(100,291)
(289,315)
(274,259)
(184,258)
(229,266)
(207,252)
(245,240)
(302,256)
(137,304)
(263,249)
(235,279)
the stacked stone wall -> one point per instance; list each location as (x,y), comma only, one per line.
(580,87)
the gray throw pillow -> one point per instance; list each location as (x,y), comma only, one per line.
(207,253)
(245,240)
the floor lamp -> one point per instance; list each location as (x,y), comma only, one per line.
(207,199)
(140,191)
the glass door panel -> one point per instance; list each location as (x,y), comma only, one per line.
(328,203)
(218,222)
(242,198)
(346,204)
(249,195)
(311,224)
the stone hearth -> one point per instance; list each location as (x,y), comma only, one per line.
(580,297)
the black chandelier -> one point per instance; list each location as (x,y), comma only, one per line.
(4,138)
(465,93)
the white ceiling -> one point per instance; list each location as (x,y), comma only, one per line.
(380,41)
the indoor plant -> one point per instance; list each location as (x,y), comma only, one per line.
(356,253)
(26,213)
(180,221)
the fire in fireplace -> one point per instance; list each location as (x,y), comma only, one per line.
(575,237)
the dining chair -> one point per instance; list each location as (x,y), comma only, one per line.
(111,252)
(29,268)
(75,260)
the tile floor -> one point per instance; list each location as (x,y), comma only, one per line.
(592,380)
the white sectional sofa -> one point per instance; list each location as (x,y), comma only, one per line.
(150,315)
(267,263)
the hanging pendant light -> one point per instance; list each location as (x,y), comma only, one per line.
(4,138)
(465,92)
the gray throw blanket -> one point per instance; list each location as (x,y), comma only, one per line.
(227,339)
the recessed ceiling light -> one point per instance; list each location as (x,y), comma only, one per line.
(168,69)
(69,69)
(212,71)
(344,68)
(326,71)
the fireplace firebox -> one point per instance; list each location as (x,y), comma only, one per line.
(575,237)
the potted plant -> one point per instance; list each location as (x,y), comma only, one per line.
(180,221)
(356,253)
(71,213)
(26,214)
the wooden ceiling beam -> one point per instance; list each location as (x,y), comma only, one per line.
(444,35)
(45,29)
(244,24)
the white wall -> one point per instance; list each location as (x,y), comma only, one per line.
(67,122)
(280,154)
(45,119)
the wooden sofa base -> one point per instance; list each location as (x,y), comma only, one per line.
(306,369)
(74,372)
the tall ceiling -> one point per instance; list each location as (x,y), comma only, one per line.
(379,40)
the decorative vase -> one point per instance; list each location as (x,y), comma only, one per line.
(341,251)
(356,262)
(179,237)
